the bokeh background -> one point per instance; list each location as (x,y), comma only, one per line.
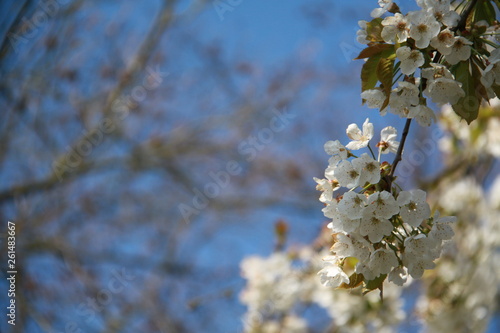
(147,147)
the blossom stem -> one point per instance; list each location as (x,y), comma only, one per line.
(371,151)
(397,79)
(490,43)
(364,188)
(399,239)
(403,227)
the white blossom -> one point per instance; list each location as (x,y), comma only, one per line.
(441,10)
(388,143)
(343,223)
(382,204)
(395,29)
(493,137)
(494,195)
(417,265)
(460,50)
(494,55)
(385,5)
(374,98)
(403,97)
(327,189)
(333,161)
(491,74)
(368,168)
(269,280)
(410,59)
(351,246)
(352,205)
(361,34)
(360,139)
(466,192)
(336,148)
(436,71)
(444,41)
(332,275)
(443,90)
(382,261)
(363,268)
(289,323)
(346,174)
(422,114)
(424,27)
(338,152)
(449,18)
(374,227)
(430,4)
(419,254)
(441,228)
(330,210)
(398,276)
(414,208)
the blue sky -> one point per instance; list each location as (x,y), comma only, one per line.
(272,35)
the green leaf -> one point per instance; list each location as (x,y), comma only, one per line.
(369,72)
(467,107)
(385,70)
(374,30)
(374,284)
(496,89)
(484,10)
(378,67)
(354,281)
(481,92)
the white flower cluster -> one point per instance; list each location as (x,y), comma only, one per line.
(491,74)
(461,292)
(271,292)
(388,232)
(479,139)
(422,38)
(458,295)
(273,308)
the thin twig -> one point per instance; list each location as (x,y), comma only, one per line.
(399,153)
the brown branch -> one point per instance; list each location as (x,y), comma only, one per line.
(41,185)
(399,153)
(163,21)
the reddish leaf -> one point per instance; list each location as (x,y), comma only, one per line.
(373,50)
